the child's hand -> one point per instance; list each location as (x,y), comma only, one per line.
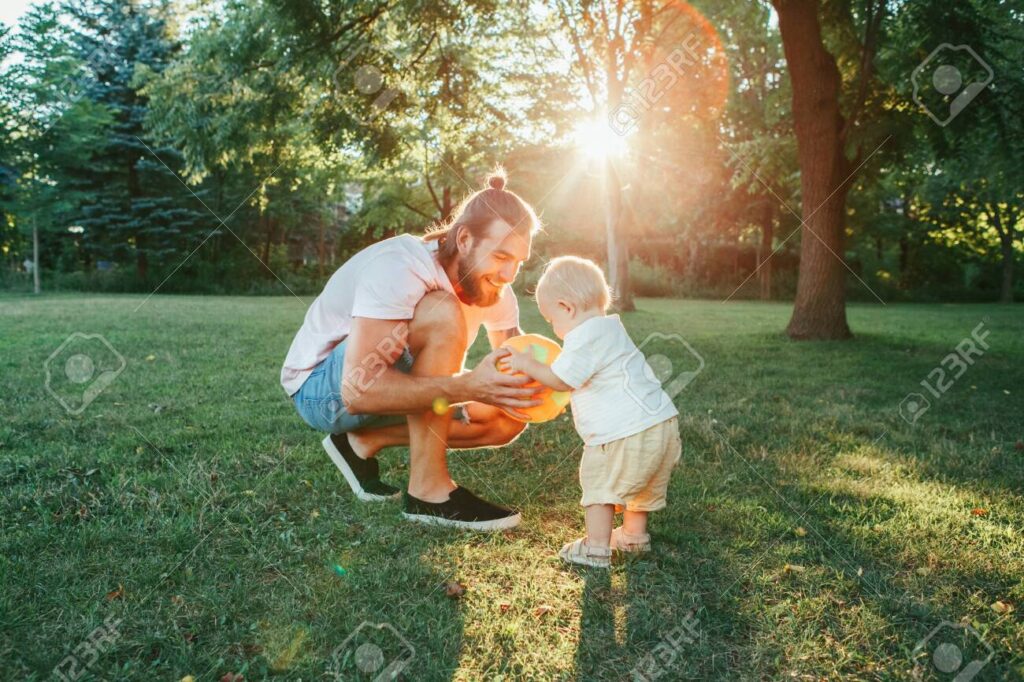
(515,362)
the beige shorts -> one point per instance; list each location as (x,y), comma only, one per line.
(632,472)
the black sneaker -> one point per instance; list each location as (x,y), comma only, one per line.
(462,509)
(363,475)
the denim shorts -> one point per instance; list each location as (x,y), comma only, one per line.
(319,399)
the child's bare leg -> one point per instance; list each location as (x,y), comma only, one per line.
(634,522)
(599,524)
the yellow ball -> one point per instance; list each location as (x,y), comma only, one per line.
(543,350)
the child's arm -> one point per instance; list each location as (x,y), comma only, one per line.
(524,362)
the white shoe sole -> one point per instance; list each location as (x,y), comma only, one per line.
(580,561)
(495,524)
(350,476)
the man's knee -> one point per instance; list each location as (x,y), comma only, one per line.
(438,316)
(505,429)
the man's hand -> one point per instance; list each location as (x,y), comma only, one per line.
(487,384)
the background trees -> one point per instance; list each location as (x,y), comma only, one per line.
(673,141)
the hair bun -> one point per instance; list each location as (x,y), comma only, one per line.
(496,180)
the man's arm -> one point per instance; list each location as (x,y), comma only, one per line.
(371,385)
(502,335)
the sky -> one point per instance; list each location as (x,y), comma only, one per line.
(11,10)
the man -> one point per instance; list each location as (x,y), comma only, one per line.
(378,360)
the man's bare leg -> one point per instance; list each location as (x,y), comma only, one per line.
(488,427)
(437,334)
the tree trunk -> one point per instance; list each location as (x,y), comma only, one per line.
(618,249)
(764,252)
(1006,249)
(269,224)
(446,203)
(321,248)
(819,311)
(35,257)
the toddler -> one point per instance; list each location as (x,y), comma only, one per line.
(628,424)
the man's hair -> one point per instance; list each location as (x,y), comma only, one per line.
(478,210)
(576,280)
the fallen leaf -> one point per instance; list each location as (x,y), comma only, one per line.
(504,606)
(1002,607)
(188,678)
(793,568)
(232,677)
(176,599)
(860,571)
(453,589)
(800,531)
(150,358)
(1019,445)
(189,637)
(116,594)
(978,511)
(542,609)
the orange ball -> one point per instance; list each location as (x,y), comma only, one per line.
(543,350)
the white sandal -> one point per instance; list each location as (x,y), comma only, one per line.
(579,552)
(631,544)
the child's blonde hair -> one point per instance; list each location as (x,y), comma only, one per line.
(576,280)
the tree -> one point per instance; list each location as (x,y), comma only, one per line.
(822,134)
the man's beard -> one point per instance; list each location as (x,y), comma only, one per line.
(472,285)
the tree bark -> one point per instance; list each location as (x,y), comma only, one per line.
(1006,249)
(35,257)
(618,249)
(764,252)
(819,311)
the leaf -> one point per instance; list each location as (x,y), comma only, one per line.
(1002,607)
(978,511)
(542,610)
(793,568)
(800,531)
(150,358)
(232,677)
(504,606)
(116,594)
(188,678)
(453,589)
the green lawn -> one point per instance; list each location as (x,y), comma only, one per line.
(811,533)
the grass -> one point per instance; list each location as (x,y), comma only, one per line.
(811,532)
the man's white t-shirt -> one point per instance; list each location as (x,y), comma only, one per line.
(384,281)
(615,392)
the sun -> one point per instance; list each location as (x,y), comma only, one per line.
(595,139)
